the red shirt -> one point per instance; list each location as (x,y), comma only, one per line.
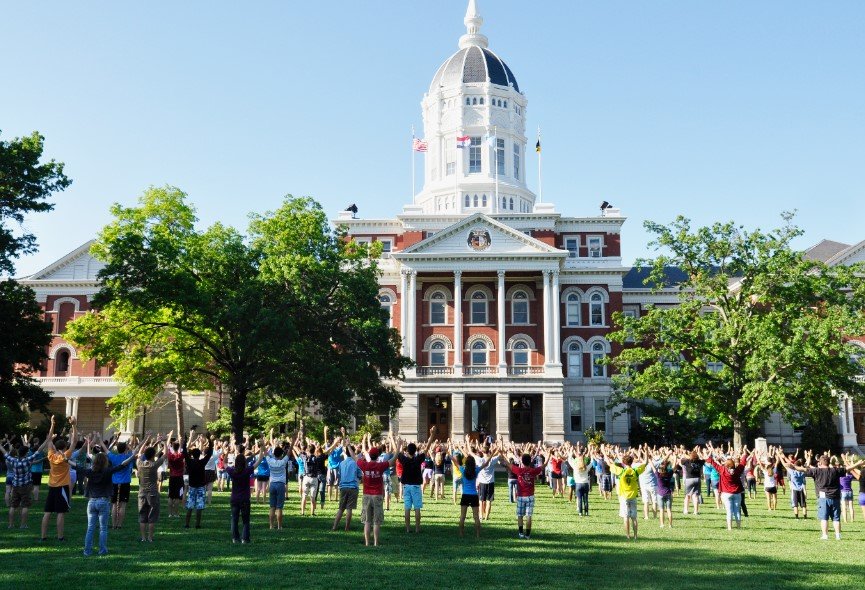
(730,481)
(373,484)
(175,463)
(556,465)
(526,479)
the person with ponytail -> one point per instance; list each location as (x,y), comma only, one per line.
(469,473)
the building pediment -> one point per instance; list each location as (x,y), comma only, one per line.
(479,236)
(78,265)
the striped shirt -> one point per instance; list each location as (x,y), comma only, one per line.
(19,469)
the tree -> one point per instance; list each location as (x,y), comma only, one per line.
(25,186)
(758,328)
(289,311)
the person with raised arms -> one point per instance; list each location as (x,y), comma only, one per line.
(469,474)
(20,480)
(278,461)
(628,474)
(372,512)
(196,464)
(148,466)
(348,485)
(412,461)
(58,500)
(240,473)
(526,476)
(730,472)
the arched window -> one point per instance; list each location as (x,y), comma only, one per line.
(512,204)
(387,305)
(468,201)
(596,310)
(479,353)
(438,354)
(520,354)
(61,363)
(475,201)
(482,100)
(474,101)
(438,308)
(575,360)
(504,202)
(572,309)
(598,354)
(479,308)
(468,101)
(483,200)
(500,102)
(506,104)
(520,308)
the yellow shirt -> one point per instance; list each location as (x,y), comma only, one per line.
(629,486)
(58,476)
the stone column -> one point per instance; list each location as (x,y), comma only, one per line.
(458,416)
(75,401)
(403,310)
(412,316)
(503,415)
(554,416)
(548,353)
(458,322)
(408,417)
(68,407)
(556,329)
(503,361)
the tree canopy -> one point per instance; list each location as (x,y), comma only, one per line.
(288,311)
(757,328)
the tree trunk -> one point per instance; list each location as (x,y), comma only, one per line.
(178,411)
(738,434)
(238,414)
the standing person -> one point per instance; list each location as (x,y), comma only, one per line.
(666,481)
(692,466)
(210,469)
(412,464)
(730,485)
(556,479)
(277,461)
(847,513)
(348,486)
(798,493)
(439,475)
(240,473)
(100,489)
(176,468)
(512,482)
(121,480)
(196,462)
(37,469)
(827,481)
(334,458)
(314,474)
(262,482)
(649,491)
(224,460)
(57,500)
(372,513)
(579,463)
(20,480)
(428,470)
(455,474)
(751,480)
(485,481)
(629,490)
(469,472)
(526,475)
(148,466)
(769,485)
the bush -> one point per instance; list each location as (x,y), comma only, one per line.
(594,436)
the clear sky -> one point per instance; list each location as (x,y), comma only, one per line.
(715,110)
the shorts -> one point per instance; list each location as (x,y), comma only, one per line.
(373,510)
(333,477)
(163,475)
(195,498)
(209,476)
(310,485)
(628,507)
(650,495)
(120,493)
(223,474)
(798,498)
(771,491)
(862,498)
(175,487)
(22,496)
(262,478)
(348,498)
(36,478)
(606,483)
(277,494)
(665,502)
(458,482)
(555,475)
(829,509)
(486,492)
(427,474)
(57,501)
(148,508)
(692,486)
(470,500)
(439,478)
(412,498)
(847,495)
(525,505)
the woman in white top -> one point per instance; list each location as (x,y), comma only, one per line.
(578,462)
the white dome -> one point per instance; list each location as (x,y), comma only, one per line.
(473,64)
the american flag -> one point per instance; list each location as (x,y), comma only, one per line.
(419,145)
(464,141)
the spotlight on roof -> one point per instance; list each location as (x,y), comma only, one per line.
(353,209)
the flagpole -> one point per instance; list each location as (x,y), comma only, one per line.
(411,147)
(457,155)
(496,152)
(540,175)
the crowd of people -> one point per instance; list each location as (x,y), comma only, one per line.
(346,470)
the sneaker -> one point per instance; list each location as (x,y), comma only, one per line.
(824,538)
(527,537)
(837,536)
(521,536)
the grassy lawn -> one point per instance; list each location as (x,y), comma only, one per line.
(773,551)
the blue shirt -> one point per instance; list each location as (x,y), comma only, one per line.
(797,479)
(470,487)
(335,458)
(124,475)
(348,473)
(263,469)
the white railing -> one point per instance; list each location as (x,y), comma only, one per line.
(434,371)
(475,371)
(76,380)
(527,370)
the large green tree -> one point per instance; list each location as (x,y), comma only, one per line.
(25,187)
(757,328)
(288,311)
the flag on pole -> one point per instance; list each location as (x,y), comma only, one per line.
(491,140)
(464,141)
(538,145)
(419,145)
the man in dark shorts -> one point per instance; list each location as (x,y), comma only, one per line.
(20,481)
(196,461)
(59,481)
(122,481)
(176,466)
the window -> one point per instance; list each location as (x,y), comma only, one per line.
(468,202)
(600,415)
(438,308)
(500,156)
(576,411)
(596,310)
(520,308)
(450,159)
(506,104)
(386,248)
(483,200)
(520,354)
(572,245)
(714,366)
(475,155)
(504,202)
(387,305)
(598,354)
(480,409)
(594,244)
(476,201)
(61,364)
(438,354)
(474,101)
(482,100)
(512,204)
(630,313)
(479,353)
(468,101)
(479,308)
(572,309)
(516,161)
(575,360)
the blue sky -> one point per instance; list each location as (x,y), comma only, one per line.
(715,110)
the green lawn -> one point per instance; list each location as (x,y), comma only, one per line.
(772,551)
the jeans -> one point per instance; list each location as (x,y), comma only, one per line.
(512,490)
(322,489)
(97,509)
(733,504)
(583,498)
(240,510)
